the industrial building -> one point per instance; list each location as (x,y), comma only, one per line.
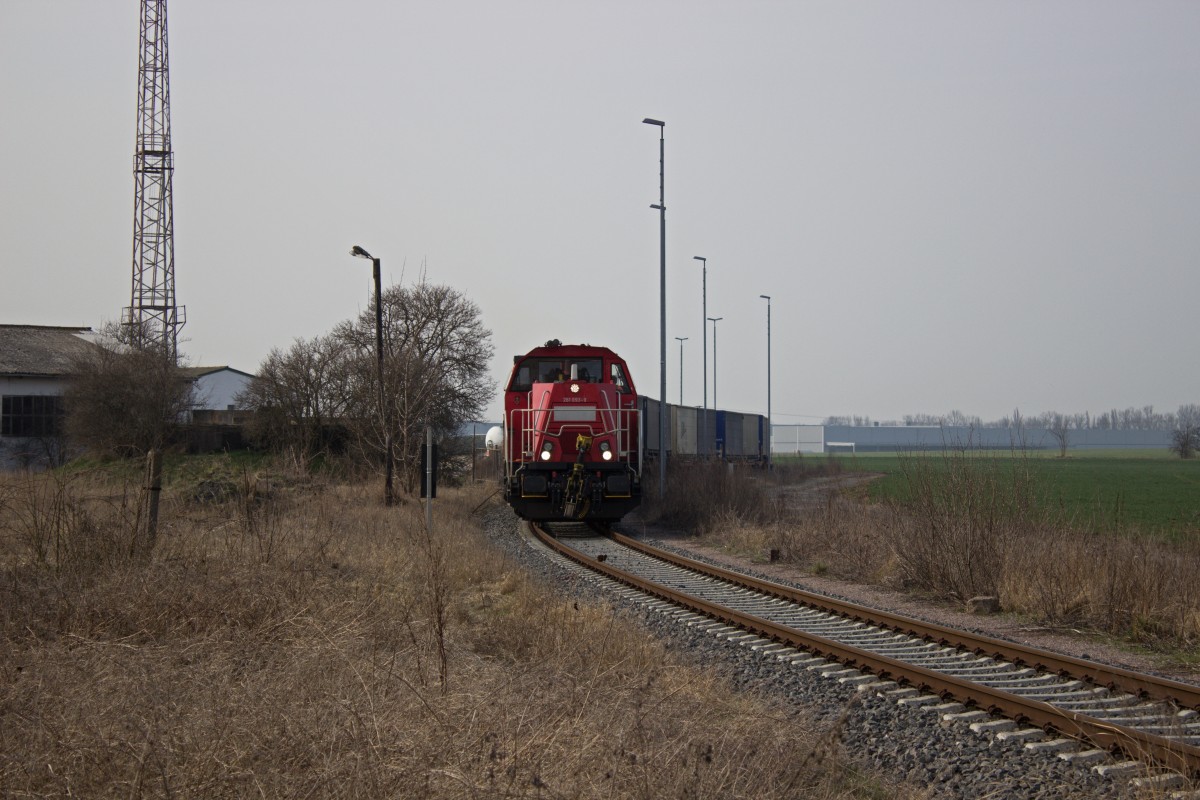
(809,439)
(35,368)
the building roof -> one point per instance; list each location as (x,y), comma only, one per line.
(199,372)
(41,350)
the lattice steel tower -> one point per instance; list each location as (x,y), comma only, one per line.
(153,317)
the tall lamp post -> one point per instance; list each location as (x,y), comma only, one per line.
(681,340)
(714,321)
(388,497)
(662,304)
(767,297)
(704,343)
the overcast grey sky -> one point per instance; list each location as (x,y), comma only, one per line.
(973,206)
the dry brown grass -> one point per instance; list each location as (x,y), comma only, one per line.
(302,640)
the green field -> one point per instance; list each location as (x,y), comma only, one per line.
(1148,491)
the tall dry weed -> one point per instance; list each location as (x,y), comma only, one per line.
(962,516)
(307,660)
(69,523)
(701,493)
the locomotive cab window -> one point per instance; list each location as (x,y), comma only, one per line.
(555,370)
(552,372)
(586,370)
(618,378)
(522,380)
(537,370)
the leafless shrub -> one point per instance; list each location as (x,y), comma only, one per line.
(1053,589)
(700,493)
(962,515)
(66,523)
(841,538)
(433,581)
(124,399)
(1185,440)
(1134,587)
(297,396)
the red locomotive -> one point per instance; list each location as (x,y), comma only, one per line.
(571,444)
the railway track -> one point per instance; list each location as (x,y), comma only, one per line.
(1005,689)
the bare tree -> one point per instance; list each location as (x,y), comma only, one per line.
(957,419)
(1059,426)
(436,354)
(123,399)
(298,397)
(1185,438)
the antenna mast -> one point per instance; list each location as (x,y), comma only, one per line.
(153,317)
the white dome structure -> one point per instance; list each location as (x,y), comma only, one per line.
(495,438)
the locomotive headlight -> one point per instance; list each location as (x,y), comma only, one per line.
(606,451)
(546,448)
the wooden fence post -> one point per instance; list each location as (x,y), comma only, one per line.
(153,489)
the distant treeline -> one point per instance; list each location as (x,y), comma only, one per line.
(1129,419)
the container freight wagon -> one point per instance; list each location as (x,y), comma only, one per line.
(740,436)
(697,433)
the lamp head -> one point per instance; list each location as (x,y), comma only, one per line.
(657,122)
(359,252)
(766,297)
(701,258)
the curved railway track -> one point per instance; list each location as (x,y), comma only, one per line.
(1144,717)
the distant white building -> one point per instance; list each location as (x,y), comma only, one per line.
(217,390)
(797,438)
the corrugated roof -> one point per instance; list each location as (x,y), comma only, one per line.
(41,350)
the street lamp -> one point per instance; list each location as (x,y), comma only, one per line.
(662,305)
(714,321)
(388,497)
(704,340)
(767,297)
(681,340)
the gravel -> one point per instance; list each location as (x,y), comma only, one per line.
(900,742)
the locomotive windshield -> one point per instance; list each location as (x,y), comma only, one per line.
(552,370)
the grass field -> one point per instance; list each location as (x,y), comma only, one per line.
(1147,491)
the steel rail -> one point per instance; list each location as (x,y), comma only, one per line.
(1181,694)
(1175,755)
